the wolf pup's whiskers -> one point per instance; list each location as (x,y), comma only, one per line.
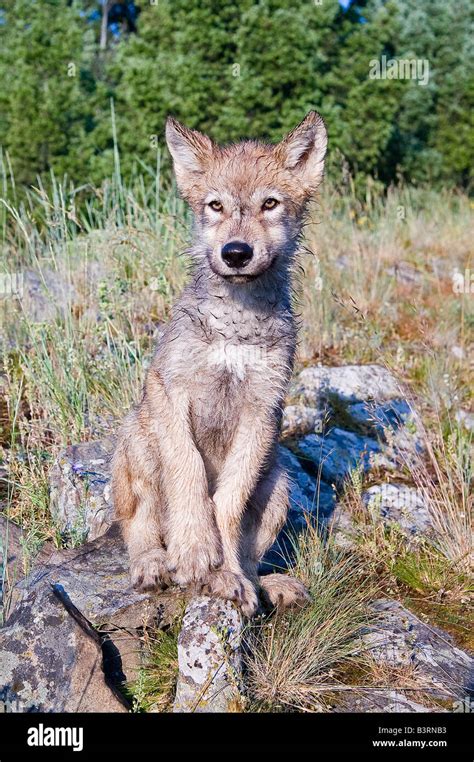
(197,484)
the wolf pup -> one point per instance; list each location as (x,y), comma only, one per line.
(197,485)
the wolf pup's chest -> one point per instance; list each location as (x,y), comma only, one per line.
(232,379)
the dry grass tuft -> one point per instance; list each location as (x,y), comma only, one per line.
(294,657)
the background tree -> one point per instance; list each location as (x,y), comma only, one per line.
(179,63)
(436,121)
(283,54)
(48,88)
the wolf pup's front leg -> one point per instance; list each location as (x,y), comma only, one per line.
(161,494)
(253,440)
(191,536)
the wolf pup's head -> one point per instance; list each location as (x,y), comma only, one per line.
(248,198)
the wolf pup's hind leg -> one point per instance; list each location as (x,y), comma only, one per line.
(138,509)
(265,517)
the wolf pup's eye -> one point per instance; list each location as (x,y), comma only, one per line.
(216,206)
(270,203)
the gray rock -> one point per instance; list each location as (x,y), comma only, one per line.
(46,295)
(400,639)
(344,531)
(209,658)
(374,701)
(376,418)
(94,580)
(396,425)
(298,420)
(80,499)
(398,504)
(334,455)
(350,383)
(393,505)
(51,659)
(359,401)
(308,496)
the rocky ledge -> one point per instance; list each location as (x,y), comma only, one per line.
(73,634)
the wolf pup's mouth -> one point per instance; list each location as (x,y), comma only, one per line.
(243,278)
(234,277)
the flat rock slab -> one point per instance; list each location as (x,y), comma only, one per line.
(402,640)
(92,581)
(209,657)
(95,577)
(51,660)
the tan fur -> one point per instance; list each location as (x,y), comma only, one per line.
(196,480)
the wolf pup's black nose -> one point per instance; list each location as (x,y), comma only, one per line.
(236,254)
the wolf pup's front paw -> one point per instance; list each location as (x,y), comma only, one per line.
(232,587)
(148,570)
(189,564)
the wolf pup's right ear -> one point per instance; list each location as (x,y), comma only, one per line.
(303,151)
(191,152)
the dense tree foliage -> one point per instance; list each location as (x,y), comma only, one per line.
(247,68)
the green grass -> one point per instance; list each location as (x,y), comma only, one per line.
(155,687)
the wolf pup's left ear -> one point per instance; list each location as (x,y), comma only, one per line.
(303,151)
(191,152)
